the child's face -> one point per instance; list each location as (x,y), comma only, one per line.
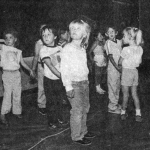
(77,31)
(125,38)
(100,37)
(48,37)
(65,36)
(111,33)
(10,40)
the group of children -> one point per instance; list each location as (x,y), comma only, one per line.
(63,70)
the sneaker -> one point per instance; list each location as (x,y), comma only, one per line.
(63,122)
(84,141)
(116,111)
(42,111)
(138,118)
(89,135)
(124,117)
(18,116)
(3,120)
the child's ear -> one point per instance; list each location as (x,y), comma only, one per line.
(116,32)
(15,39)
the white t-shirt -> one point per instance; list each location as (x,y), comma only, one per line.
(10,58)
(132,56)
(54,54)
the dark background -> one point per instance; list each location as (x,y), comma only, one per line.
(27,15)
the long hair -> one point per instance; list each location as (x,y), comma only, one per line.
(135,34)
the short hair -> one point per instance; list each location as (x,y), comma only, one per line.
(48,27)
(62,30)
(111,26)
(10,31)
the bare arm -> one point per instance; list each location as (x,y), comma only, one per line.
(48,62)
(91,50)
(25,65)
(36,56)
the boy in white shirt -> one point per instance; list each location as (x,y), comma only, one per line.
(74,73)
(53,87)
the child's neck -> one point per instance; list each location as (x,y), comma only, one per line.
(132,43)
(77,43)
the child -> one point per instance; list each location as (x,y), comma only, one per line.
(52,84)
(130,60)
(113,50)
(74,73)
(63,37)
(11,58)
(99,60)
(40,73)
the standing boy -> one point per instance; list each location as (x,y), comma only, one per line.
(74,73)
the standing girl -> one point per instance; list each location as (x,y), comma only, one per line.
(130,60)
(11,58)
(99,60)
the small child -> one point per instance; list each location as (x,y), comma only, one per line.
(40,75)
(99,60)
(11,58)
(74,73)
(130,59)
(53,87)
(113,48)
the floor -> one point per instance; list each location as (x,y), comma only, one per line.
(32,133)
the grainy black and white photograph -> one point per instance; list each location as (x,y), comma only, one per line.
(74,75)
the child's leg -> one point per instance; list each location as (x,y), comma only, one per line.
(7,83)
(86,107)
(125,91)
(17,108)
(136,100)
(41,95)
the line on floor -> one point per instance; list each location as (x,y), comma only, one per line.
(43,139)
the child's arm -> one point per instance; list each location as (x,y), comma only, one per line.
(48,62)
(113,62)
(1,41)
(26,66)
(36,56)
(91,50)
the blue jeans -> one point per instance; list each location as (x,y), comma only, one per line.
(80,107)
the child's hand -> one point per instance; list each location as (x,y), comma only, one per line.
(32,74)
(70,94)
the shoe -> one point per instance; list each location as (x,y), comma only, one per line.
(42,111)
(18,116)
(124,117)
(138,118)
(99,90)
(4,120)
(89,135)
(84,141)
(63,122)
(52,126)
(116,111)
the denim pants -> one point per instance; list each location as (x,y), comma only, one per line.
(80,107)
(54,105)
(12,92)
(41,95)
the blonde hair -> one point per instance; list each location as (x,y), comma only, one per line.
(134,34)
(87,31)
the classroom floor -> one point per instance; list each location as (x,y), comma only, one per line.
(32,133)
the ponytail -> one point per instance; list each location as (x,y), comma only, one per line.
(139,38)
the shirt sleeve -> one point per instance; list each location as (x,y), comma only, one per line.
(125,53)
(65,68)
(44,53)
